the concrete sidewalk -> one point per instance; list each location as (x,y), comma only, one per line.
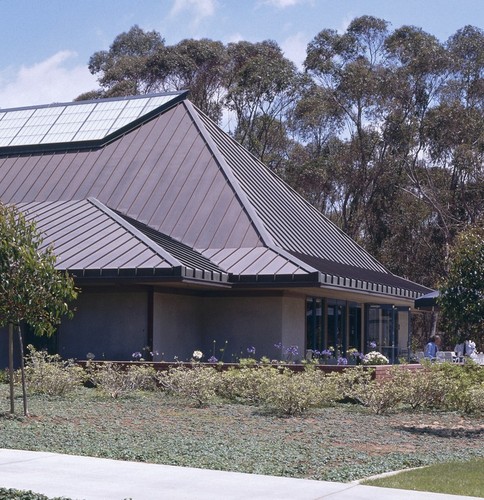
(101,479)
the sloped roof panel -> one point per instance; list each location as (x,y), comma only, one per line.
(158,173)
(88,238)
(253,262)
(292,222)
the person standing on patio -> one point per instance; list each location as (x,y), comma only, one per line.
(432,348)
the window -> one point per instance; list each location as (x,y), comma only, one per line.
(314,324)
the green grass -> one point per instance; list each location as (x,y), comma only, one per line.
(341,443)
(455,478)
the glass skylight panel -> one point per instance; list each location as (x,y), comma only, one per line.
(74,122)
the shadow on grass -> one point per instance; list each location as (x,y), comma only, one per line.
(445,432)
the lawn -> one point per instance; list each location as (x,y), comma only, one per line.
(455,478)
(340,443)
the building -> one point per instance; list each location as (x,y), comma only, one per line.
(180,239)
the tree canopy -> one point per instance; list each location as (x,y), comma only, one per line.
(32,291)
(461,297)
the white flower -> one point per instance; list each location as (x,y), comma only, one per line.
(197,355)
(375,358)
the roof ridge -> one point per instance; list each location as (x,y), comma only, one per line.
(181,93)
(254,218)
(136,233)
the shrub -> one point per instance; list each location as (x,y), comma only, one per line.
(380,396)
(290,393)
(459,381)
(348,379)
(475,402)
(423,389)
(198,383)
(118,380)
(51,375)
(242,385)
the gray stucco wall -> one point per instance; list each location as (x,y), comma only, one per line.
(177,326)
(252,321)
(112,325)
(184,323)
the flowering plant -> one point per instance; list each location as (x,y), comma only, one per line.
(375,358)
(197,355)
(353,352)
(342,361)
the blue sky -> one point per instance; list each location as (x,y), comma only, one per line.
(46,44)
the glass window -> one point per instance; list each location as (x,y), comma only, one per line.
(314,324)
(337,326)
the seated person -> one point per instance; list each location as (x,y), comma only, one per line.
(432,348)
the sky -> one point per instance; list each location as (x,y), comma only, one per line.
(46,44)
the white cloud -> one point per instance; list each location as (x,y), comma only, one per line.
(45,82)
(199,9)
(294,48)
(282,4)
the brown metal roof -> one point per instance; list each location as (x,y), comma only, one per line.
(89,239)
(161,174)
(172,191)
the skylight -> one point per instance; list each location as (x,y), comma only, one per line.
(74,122)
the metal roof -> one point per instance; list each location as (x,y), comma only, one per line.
(292,222)
(91,240)
(161,174)
(179,193)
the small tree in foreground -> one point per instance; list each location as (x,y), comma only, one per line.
(462,292)
(32,291)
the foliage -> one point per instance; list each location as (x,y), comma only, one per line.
(197,383)
(13,494)
(117,380)
(461,297)
(341,442)
(242,384)
(375,358)
(49,374)
(31,289)
(454,478)
(292,393)
(380,396)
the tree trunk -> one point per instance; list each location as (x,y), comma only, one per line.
(10,367)
(22,369)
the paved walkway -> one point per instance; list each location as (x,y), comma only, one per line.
(101,479)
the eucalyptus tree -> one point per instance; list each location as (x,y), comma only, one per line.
(195,65)
(123,69)
(262,86)
(32,291)
(314,124)
(351,68)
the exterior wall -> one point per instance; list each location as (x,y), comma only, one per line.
(252,321)
(294,323)
(177,326)
(111,325)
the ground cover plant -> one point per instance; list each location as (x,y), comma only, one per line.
(12,494)
(455,478)
(233,428)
